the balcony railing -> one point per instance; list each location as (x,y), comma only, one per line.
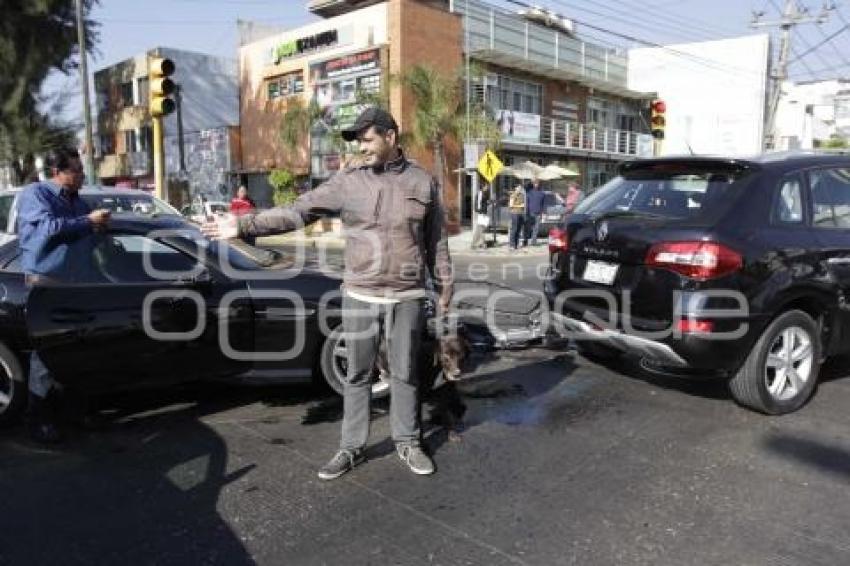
(565,135)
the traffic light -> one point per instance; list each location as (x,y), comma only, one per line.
(657,120)
(161,86)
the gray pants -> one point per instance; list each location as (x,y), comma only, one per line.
(363,324)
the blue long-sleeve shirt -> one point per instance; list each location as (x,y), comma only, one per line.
(54,231)
(534,201)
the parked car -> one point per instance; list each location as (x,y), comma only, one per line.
(198,212)
(675,257)
(553,215)
(112,198)
(90,333)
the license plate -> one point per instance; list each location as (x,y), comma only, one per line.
(600,272)
(551,217)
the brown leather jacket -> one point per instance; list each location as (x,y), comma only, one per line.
(393,221)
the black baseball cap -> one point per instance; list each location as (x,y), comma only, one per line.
(372,116)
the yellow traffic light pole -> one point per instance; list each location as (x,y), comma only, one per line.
(161,190)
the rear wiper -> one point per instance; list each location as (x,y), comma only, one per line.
(627,214)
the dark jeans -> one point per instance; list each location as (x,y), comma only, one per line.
(517,228)
(532,227)
(402,325)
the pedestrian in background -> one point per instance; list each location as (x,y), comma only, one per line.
(396,241)
(516,206)
(574,196)
(480,217)
(54,229)
(242,203)
(534,198)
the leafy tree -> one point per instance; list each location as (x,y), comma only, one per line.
(836,142)
(440,113)
(300,118)
(36,37)
(283,183)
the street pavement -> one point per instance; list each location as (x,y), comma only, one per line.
(561,461)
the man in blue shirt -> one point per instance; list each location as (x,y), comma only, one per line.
(53,221)
(534,210)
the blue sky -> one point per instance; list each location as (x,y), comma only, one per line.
(129,27)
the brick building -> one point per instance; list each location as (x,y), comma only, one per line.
(557,98)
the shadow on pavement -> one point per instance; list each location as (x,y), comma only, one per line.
(145,490)
(697,386)
(813,453)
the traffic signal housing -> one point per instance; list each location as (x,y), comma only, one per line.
(657,119)
(160,101)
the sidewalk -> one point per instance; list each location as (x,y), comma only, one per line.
(459,244)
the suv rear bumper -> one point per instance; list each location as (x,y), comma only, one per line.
(655,351)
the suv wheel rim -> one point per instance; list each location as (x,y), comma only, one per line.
(340,364)
(788,367)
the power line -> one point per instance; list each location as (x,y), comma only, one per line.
(825,40)
(631,19)
(670,17)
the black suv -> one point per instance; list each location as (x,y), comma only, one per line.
(731,268)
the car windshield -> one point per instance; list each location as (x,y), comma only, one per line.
(671,191)
(146,205)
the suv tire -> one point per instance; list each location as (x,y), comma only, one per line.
(13,386)
(781,371)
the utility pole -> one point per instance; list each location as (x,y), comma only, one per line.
(791,16)
(84,80)
(473,190)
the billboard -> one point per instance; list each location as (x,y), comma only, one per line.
(519,126)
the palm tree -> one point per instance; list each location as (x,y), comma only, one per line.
(439,113)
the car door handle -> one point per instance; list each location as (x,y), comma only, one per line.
(838,261)
(71,316)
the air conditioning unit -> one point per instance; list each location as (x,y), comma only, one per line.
(549,19)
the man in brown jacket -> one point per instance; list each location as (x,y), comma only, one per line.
(396,241)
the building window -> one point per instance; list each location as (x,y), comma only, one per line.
(130,145)
(505,93)
(144,93)
(285,85)
(146,138)
(126,94)
(107,145)
(370,84)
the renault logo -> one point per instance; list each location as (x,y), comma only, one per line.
(602,231)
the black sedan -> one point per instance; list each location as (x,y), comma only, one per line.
(158,303)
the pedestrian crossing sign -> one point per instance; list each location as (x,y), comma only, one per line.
(489,166)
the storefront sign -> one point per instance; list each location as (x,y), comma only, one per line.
(347,65)
(519,126)
(303,45)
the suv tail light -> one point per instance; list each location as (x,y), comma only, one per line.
(558,240)
(697,260)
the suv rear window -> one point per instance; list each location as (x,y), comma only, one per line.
(666,190)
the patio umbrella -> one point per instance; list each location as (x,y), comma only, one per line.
(524,170)
(555,169)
